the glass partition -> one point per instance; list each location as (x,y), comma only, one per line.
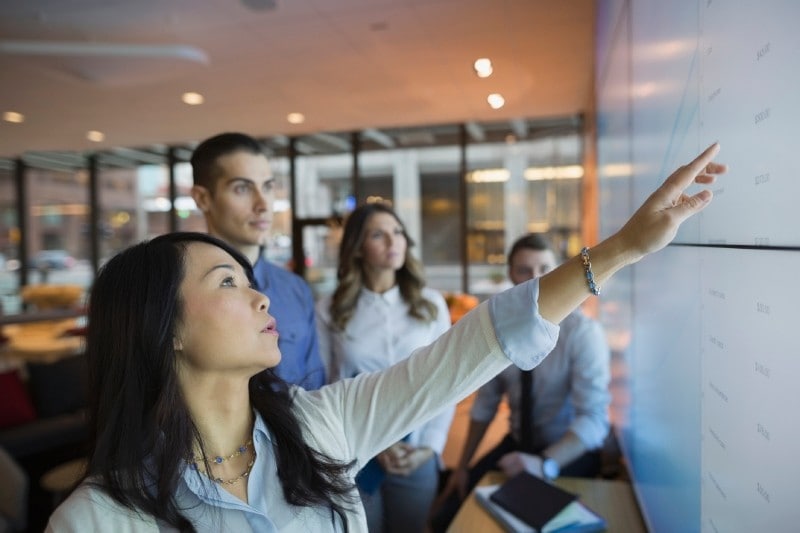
(440,236)
(516,187)
(279,246)
(9,242)
(121,216)
(521,176)
(57,235)
(324,170)
(324,180)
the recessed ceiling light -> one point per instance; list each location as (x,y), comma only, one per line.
(496,100)
(483,67)
(192,98)
(379,26)
(295,118)
(260,5)
(13,117)
(95,136)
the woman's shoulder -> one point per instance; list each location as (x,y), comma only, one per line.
(89,508)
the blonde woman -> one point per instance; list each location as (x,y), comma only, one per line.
(380,312)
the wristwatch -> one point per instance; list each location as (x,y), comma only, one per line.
(550,468)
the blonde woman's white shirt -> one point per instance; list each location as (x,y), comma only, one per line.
(351,420)
(380,334)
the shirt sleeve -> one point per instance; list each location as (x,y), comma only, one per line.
(590,379)
(520,329)
(433,434)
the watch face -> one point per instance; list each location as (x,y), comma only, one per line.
(550,468)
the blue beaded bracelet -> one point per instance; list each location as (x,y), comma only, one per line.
(587,268)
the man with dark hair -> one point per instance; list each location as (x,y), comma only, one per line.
(233,187)
(565,400)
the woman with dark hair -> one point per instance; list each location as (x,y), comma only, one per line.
(162,375)
(189,433)
(380,312)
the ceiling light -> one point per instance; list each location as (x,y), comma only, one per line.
(496,100)
(95,136)
(295,118)
(192,98)
(260,5)
(483,67)
(14,117)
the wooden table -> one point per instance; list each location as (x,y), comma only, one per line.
(41,342)
(613,500)
(43,350)
(39,316)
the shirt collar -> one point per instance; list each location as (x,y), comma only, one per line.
(392,296)
(260,429)
(201,484)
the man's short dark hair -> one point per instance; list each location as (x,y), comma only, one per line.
(205,169)
(530,241)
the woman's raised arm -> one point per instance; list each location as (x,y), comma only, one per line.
(651,227)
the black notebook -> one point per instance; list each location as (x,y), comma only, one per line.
(527,503)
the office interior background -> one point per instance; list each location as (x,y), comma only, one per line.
(354,101)
(601,100)
(511,186)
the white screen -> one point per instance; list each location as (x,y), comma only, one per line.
(703,328)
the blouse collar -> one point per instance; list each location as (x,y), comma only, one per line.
(391,296)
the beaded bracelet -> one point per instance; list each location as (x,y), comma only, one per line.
(587,268)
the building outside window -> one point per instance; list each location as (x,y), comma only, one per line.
(517,177)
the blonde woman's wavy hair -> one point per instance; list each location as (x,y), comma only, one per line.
(350,275)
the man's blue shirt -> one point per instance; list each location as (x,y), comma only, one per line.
(292,305)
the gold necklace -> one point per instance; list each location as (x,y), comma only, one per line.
(194,462)
(219,459)
(238,478)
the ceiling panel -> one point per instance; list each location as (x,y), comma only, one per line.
(348,64)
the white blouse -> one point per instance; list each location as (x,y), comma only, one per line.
(380,334)
(351,420)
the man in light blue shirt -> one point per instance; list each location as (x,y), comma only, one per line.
(233,187)
(567,403)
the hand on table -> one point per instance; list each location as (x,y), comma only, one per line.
(515,462)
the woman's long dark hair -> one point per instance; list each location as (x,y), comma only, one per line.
(140,426)
(410,277)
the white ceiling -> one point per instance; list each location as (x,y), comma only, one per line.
(345,64)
